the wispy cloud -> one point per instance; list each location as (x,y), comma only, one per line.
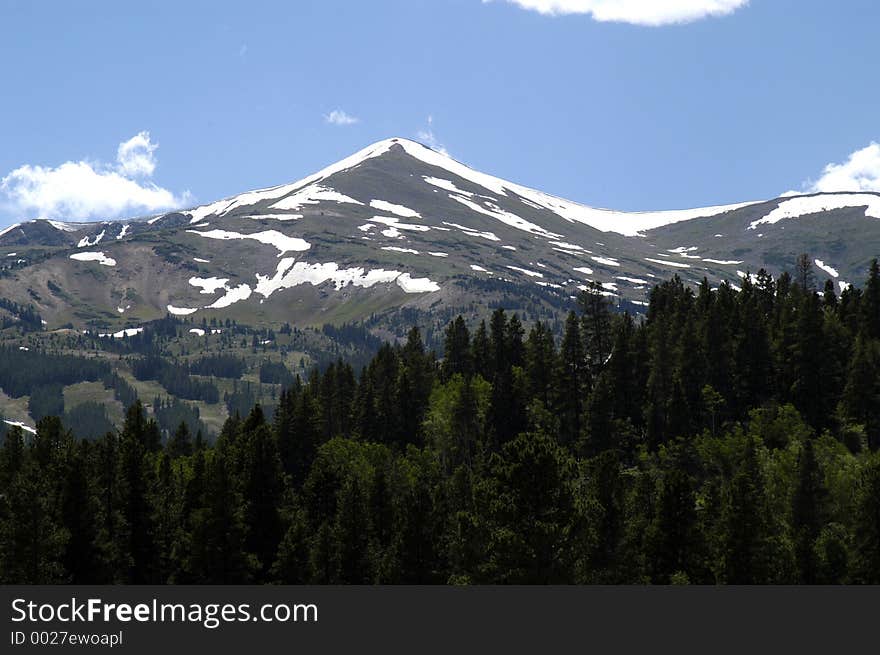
(638,12)
(430,139)
(860,172)
(340,117)
(82,190)
(242,50)
(137,156)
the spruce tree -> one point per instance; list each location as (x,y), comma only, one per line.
(79,517)
(866,540)
(807,513)
(745,530)
(674,539)
(571,382)
(263,492)
(135,483)
(180,443)
(871,302)
(456,351)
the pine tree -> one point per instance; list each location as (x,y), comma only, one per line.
(79,517)
(32,542)
(466,427)
(571,382)
(384,372)
(291,565)
(135,482)
(500,360)
(745,524)
(540,358)
(597,327)
(808,388)
(112,525)
(481,352)
(533,512)
(414,388)
(606,489)
(418,530)
(457,357)
(263,488)
(515,349)
(674,538)
(180,443)
(866,544)
(807,513)
(861,395)
(166,518)
(351,533)
(218,552)
(804,275)
(871,302)
(11,456)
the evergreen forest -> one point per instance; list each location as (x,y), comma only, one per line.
(727,437)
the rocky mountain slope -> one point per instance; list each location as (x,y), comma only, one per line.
(400,227)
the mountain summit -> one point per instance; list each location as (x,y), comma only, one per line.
(400,227)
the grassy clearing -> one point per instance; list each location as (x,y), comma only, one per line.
(76,394)
(15,409)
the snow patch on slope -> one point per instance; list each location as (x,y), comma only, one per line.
(399,210)
(276,217)
(180,311)
(64,227)
(99,257)
(471,232)
(395,224)
(127,332)
(312,195)
(281,241)
(9,229)
(209,285)
(232,296)
(526,271)
(396,249)
(19,424)
(723,262)
(410,284)
(447,185)
(664,262)
(506,217)
(806,205)
(85,242)
(290,273)
(828,269)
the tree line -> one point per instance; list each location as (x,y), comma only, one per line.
(730,437)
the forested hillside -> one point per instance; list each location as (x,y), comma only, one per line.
(730,437)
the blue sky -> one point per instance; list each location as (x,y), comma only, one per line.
(213,98)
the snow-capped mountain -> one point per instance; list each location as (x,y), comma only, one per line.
(400,226)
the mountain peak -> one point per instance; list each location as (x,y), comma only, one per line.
(396,222)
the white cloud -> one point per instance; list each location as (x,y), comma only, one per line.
(860,172)
(242,50)
(637,12)
(340,117)
(82,190)
(428,137)
(136,157)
